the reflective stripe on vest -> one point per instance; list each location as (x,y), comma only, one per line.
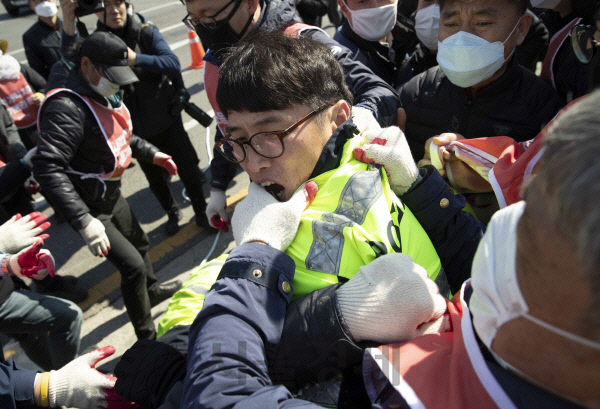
(354,218)
(189,300)
(445,370)
(18,97)
(556,43)
(118,121)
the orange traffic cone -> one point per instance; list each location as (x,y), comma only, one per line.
(196,50)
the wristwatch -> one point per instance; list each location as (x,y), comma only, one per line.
(5,265)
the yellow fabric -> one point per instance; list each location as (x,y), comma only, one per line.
(380,221)
(188,301)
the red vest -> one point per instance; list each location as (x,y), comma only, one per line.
(211,77)
(555,44)
(516,165)
(445,370)
(18,97)
(117,130)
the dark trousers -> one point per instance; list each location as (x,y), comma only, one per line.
(47,328)
(129,247)
(175,141)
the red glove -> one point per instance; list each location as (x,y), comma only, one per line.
(165,161)
(217,222)
(21,232)
(32,262)
(31,186)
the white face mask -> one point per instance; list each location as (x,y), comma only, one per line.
(105,87)
(467,59)
(46,9)
(427,26)
(544,4)
(373,24)
(497,297)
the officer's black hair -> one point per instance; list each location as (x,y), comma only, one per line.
(273,71)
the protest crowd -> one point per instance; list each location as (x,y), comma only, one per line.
(420,228)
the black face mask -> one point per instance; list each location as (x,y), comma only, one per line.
(222,37)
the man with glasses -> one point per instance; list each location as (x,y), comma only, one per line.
(220,24)
(289,122)
(150,101)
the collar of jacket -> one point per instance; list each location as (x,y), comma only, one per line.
(382,50)
(56,27)
(332,152)
(505,82)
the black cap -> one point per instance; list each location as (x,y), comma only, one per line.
(110,52)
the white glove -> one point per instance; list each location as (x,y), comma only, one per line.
(364,120)
(32,262)
(388,148)
(29,155)
(216,210)
(21,232)
(79,385)
(388,300)
(261,217)
(95,237)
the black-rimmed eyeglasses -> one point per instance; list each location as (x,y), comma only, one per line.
(207,22)
(266,144)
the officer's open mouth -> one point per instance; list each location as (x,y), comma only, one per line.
(275,189)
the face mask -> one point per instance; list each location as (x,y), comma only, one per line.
(427,26)
(374,23)
(222,37)
(468,60)
(46,9)
(497,297)
(544,4)
(105,87)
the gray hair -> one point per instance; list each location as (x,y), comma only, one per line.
(570,177)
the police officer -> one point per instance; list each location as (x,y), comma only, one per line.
(149,101)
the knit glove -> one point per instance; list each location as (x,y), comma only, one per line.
(165,161)
(32,262)
(95,237)
(388,147)
(79,385)
(261,217)
(364,120)
(215,211)
(21,232)
(389,300)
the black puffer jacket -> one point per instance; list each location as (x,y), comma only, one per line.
(71,138)
(518,104)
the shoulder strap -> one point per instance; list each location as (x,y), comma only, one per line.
(145,38)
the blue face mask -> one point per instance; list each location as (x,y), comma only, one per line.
(467,59)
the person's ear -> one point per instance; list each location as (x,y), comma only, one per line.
(340,113)
(252,6)
(523,28)
(344,9)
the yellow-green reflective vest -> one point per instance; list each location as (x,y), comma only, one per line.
(354,218)
(188,301)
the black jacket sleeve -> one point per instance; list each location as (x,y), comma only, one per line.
(369,90)
(455,233)
(62,131)
(34,79)
(34,59)
(16,386)
(142,149)
(12,148)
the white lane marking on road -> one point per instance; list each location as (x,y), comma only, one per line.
(179,44)
(20,50)
(173,27)
(162,6)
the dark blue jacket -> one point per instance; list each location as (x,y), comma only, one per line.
(238,329)
(16,385)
